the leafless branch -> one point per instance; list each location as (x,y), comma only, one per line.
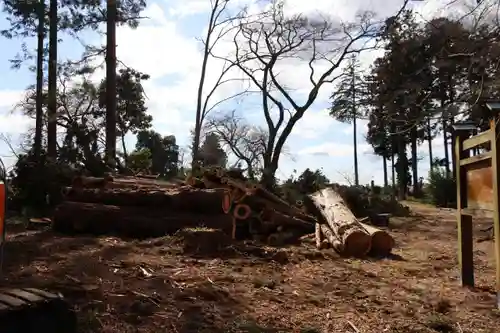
(7,139)
(246,142)
(261,43)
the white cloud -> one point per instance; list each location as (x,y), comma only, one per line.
(9,98)
(13,123)
(334,149)
(314,124)
(10,122)
(189,7)
(159,48)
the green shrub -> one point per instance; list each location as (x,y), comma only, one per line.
(31,184)
(442,190)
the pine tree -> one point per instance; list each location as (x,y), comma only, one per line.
(346,103)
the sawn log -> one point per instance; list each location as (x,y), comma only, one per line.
(354,239)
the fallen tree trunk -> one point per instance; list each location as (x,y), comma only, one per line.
(181,199)
(131,221)
(122,182)
(90,182)
(318,236)
(279,219)
(353,238)
(382,242)
(330,236)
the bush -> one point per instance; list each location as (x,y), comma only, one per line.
(442,190)
(30,184)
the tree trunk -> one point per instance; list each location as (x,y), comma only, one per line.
(268,181)
(199,103)
(354,239)
(111,84)
(402,169)
(445,138)
(39,81)
(429,140)
(453,157)
(386,180)
(393,172)
(124,147)
(414,162)
(160,202)
(318,236)
(355,143)
(354,125)
(331,238)
(52,84)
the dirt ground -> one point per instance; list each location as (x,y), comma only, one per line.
(200,282)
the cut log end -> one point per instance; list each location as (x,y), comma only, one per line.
(226,202)
(357,243)
(382,243)
(242,211)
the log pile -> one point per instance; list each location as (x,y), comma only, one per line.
(342,230)
(137,207)
(218,199)
(262,213)
(147,207)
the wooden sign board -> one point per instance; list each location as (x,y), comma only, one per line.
(480,186)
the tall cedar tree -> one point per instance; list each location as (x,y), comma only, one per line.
(27,18)
(346,103)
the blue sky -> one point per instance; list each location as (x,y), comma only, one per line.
(165,47)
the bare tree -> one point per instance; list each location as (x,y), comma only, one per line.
(263,42)
(246,142)
(221,22)
(81,126)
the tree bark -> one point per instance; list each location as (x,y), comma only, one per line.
(187,199)
(414,161)
(354,126)
(111,84)
(402,169)
(386,180)
(52,84)
(39,81)
(429,140)
(318,235)
(356,172)
(393,174)
(354,239)
(445,138)
(199,103)
(453,157)
(130,221)
(332,239)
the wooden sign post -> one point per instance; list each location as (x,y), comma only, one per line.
(478,184)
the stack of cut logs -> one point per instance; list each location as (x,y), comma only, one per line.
(254,209)
(137,207)
(147,207)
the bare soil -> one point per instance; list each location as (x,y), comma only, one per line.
(198,281)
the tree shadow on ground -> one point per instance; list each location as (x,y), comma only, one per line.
(112,294)
(23,248)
